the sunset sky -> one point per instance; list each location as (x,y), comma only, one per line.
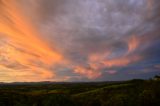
(79,40)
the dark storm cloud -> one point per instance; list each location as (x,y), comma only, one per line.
(90,25)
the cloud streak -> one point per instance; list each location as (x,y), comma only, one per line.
(22,48)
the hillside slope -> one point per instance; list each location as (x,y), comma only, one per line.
(127,93)
(132,93)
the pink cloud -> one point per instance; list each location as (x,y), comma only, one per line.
(120,62)
(89,73)
(111,72)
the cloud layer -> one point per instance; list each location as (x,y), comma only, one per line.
(80,40)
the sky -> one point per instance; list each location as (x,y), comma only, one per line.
(79,40)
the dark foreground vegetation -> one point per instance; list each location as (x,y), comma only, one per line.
(128,93)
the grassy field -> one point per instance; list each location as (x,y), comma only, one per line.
(127,93)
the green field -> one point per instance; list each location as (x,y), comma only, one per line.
(126,93)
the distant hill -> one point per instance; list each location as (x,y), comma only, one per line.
(124,93)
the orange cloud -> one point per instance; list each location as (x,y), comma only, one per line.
(133,43)
(121,62)
(88,72)
(94,60)
(27,75)
(21,43)
(94,65)
(97,62)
